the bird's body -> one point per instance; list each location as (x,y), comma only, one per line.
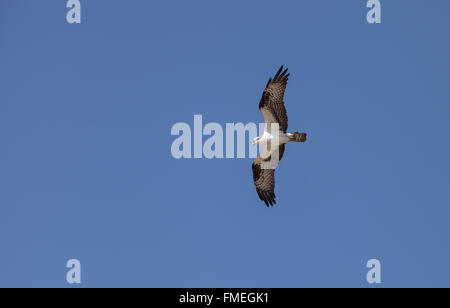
(269,137)
(274,137)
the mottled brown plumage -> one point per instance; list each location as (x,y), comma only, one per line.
(273,110)
(265,179)
(271,104)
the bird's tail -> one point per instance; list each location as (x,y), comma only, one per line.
(297,137)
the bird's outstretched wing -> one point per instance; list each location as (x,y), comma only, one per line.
(265,179)
(271,104)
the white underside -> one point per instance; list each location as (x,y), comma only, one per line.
(269,139)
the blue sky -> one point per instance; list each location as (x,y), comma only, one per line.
(86,170)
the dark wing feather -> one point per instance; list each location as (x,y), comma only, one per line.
(265,179)
(265,183)
(271,104)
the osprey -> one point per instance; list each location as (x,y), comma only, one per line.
(274,113)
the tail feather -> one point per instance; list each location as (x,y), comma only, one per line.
(297,137)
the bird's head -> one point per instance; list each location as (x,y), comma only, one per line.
(256,140)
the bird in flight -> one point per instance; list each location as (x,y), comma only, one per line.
(274,137)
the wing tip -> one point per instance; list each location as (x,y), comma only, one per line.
(280,76)
(267,197)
